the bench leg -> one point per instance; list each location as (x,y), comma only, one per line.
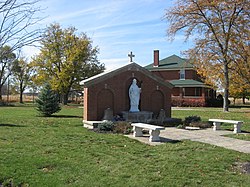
(137,131)
(154,135)
(216,126)
(237,127)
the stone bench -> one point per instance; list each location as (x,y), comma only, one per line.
(154,131)
(217,123)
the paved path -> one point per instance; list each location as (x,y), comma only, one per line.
(205,136)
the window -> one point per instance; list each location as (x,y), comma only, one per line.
(198,91)
(182,74)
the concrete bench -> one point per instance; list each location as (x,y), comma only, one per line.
(154,131)
(217,123)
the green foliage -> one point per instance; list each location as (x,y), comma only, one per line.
(22,75)
(106,126)
(191,119)
(47,101)
(65,59)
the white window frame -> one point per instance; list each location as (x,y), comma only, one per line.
(182,74)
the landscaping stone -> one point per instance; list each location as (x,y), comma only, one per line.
(192,128)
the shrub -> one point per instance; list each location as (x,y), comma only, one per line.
(218,102)
(106,126)
(2,103)
(122,127)
(47,101)
(180,127)
(201,124)
(188,102)
(172,122)
(191,119)
(214,103)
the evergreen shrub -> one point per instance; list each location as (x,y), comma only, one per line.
(47,102)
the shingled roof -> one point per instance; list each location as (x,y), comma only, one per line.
(187,83)
(171,63)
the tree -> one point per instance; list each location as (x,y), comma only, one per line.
(65,59)
(16,24)
(47,101)
(7,59)
(239,92)
(215,24)
(17,19)
(240,54)
(22,75)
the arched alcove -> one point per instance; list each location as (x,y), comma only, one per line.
(157,101)
(105,99)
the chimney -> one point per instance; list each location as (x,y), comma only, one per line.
(156,58)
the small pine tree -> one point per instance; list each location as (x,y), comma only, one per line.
(47,101)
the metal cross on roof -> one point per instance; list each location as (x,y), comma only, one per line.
(131,55)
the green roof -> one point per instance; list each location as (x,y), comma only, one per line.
(187,83)
(171,62)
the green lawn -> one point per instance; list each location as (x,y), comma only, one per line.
(239,114)
(58,151)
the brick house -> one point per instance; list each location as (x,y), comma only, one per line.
(110,90)
(188,89)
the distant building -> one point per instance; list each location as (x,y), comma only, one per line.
(189,90)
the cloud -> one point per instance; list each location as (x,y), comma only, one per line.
(30,51)
(86,10)
(144,41)
(113,63)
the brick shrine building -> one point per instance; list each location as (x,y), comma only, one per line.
(110,90)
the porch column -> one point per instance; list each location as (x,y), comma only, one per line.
(203,94)
(181,92)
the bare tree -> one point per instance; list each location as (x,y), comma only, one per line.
(17,29)
(215,24)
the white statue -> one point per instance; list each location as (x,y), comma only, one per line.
(134,95)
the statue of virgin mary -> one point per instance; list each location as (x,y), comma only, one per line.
(134,95)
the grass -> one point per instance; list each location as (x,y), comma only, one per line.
(58,151)
(239,114)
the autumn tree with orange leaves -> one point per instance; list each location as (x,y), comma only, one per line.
(217,27)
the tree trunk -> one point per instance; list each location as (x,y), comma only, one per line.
(64,98)
(21,93)
(244,99)
(226,88)
(21,97)
(1,98)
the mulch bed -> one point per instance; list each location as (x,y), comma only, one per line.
(242,167)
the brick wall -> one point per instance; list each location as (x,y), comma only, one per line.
(113,93)
(175,74)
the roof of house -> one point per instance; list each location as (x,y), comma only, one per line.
(187,83)
(129,67)
(171,63)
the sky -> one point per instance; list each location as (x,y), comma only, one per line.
(117,27)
